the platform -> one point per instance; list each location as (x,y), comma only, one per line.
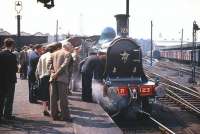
(88,118)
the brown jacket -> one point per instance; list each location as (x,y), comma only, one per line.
(61,63)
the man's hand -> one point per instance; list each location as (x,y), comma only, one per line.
(54,76)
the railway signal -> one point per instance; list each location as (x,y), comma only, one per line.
(47,3)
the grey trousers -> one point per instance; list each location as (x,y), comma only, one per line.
(58,93)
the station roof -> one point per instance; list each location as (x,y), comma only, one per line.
(188,45)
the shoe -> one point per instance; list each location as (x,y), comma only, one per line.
(56,119)
(87,100)
(67,119)
(69,92)
(10,117)
(33,101)
(46,113)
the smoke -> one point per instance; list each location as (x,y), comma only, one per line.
(76,84)
(97,91)
(107,102)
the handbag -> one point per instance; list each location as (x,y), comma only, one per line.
(35,89)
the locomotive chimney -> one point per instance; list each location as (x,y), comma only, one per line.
(122,25)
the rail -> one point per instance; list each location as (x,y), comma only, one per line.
(173,87)
(188,105)
(162,127)
(176,84)
(179,99)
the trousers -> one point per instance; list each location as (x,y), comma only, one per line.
(58,93)
(6,99)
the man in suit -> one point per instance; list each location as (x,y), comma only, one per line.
(32,65)
(23,61)
(8,70)
(61,65)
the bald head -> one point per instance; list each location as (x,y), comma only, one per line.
(67,46)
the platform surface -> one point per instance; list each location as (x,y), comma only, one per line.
(88,118)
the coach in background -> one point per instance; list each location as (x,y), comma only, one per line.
(8,70)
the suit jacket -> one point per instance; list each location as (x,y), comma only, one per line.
(93,66)
(32,65)
(8,67)
(61,62)
(23,58)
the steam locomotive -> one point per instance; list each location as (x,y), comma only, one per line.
(125,87)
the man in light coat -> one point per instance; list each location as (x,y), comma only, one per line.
(61,64)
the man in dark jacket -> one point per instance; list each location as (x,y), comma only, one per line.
(92,67)
(32,65)
(23,61)
(8,69)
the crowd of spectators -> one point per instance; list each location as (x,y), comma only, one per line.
(48,69)
(52,71)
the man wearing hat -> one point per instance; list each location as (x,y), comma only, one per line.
(61,68)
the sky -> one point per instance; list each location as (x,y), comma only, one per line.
(90,17)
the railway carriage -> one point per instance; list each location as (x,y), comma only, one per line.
(187,55)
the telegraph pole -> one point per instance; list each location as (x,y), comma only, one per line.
(151,42)
(127,13)
(180,73)
(57,31)
(182,44)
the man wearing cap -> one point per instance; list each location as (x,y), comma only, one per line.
(8,70)
(61,68)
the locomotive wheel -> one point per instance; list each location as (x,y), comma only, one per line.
(146,106)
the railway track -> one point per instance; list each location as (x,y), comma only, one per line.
(183,96)
(146,124)
(181,69)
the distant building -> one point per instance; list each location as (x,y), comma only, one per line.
(25,34)
(145,45)
(2,32)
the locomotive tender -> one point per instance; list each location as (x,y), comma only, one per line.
(125,87)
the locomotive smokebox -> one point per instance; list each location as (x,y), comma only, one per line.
(122,25)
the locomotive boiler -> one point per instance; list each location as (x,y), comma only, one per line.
(125,87)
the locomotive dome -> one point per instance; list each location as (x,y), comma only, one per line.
(107,35)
